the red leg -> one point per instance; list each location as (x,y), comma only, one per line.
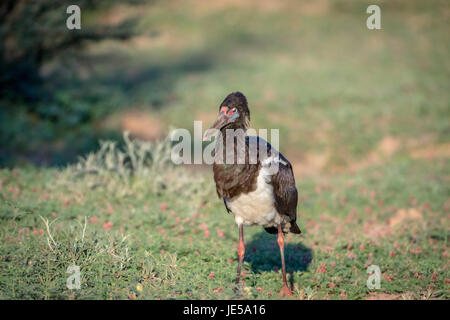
(241,251)
(285,291)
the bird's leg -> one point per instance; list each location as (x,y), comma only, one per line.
(285,291)
(241,251)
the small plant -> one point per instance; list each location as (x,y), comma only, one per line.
(135,158)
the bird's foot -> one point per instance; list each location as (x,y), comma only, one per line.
(285,291)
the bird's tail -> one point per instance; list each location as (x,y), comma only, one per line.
(295,228)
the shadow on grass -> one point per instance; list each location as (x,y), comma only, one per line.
(56,131)
(263,254)
(81,88)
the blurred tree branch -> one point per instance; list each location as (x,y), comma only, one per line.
(33,32)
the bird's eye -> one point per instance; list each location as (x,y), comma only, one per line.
(233,110)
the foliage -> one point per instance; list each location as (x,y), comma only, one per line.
(33,32)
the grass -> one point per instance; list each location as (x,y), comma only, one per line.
(150,234)
(311,70)
(363,117)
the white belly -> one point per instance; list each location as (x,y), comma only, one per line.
(256,207)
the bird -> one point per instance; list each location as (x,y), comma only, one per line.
(252,191)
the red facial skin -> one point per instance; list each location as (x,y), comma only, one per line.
(226,110)
(224,114)
(223,110)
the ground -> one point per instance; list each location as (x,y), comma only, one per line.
(363,117)
(142,239)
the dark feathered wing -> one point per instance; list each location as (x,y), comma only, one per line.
(285,193)
(236,179)
(226,206)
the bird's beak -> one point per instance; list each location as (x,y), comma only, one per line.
(220,122)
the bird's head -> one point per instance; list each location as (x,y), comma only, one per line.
(233,114)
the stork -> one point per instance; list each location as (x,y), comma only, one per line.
(252,191)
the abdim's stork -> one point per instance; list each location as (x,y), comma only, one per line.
(252,190)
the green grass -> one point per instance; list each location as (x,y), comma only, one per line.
(363,117)
(171,235)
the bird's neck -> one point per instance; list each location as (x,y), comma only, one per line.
(231,148)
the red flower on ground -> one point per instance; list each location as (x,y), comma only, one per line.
(260,289)
(310,224)
(322,268)
(163,206)
(24,231)
(107,225)
(220,233)
(434,276)
(218,290)
(333,264)
(331,285)
(388,278)
(93,220)
(343,295)
(211,275)
(391,254)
